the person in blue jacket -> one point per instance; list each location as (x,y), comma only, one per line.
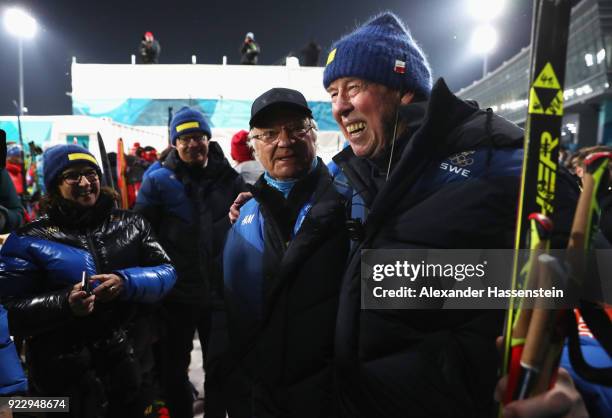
(283,262)
(12,378)
(426,170)
(597,398)
(186,201)
(71,281)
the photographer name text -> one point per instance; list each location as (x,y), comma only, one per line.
(469,292)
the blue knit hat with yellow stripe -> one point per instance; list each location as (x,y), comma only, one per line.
(381,51)
(188,120)
(59,157)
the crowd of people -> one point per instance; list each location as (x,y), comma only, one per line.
(264,261)
(149,50)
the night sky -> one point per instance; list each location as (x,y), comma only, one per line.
(109,32)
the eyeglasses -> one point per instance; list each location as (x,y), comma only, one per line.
(294,131)
(185,140)
(74,177)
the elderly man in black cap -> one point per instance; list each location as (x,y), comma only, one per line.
(283,261)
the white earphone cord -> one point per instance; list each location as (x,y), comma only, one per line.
(392,143)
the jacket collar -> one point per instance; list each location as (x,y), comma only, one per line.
(69,214)
(433,131)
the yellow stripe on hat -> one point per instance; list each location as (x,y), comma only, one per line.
(82,156)
(187,125)
(331,56)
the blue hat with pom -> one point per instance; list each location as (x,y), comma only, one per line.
(381,51)
(188,120)
(58,158)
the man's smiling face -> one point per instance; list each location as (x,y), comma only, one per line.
(365,113)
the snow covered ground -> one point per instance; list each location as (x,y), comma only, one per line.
(196,375)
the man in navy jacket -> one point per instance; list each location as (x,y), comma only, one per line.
(186,200)
(425,170)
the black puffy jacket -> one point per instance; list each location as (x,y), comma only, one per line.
(42,261)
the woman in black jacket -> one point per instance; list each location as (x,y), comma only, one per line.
(71,281)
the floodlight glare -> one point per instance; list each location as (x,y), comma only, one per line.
(485,10)
(20,24)
(484,39)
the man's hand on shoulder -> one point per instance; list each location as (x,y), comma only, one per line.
(241,199)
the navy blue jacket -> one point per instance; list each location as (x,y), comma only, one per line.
(12,378)
(283,262)
(188,210)
(150,169)
(597,398)
(454,184)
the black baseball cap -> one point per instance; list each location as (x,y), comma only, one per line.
(278,97)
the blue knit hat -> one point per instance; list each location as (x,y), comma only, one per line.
(186,121)
(381,51)
(59,157)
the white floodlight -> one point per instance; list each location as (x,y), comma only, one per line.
(484,39)
(20,24)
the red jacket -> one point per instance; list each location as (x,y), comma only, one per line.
(15,171)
